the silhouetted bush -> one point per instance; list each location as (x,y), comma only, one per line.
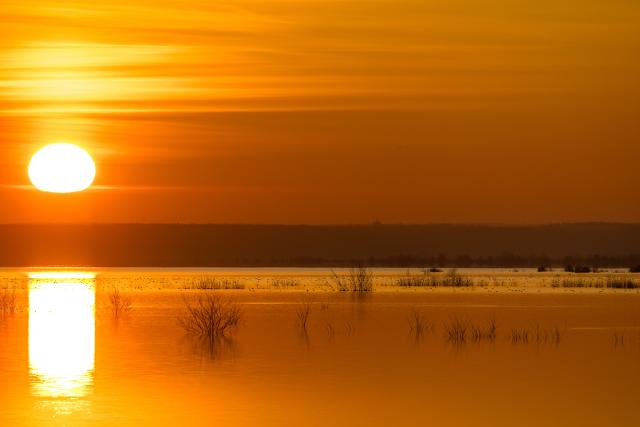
(451,279)
(210,316)
(457,330)
(635,269)
(302,315)
(358,279)
(616,282)
(120,304)
(542,269)
(7,302)
(622,283)
(577,269)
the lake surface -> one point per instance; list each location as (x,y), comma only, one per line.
(66,359)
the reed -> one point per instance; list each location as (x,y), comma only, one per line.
(450,279)
(622,283)
(575,283)
(457,330)
(543,335)
(418,323)
(536,334)
(284,283)
(519,335)
(413,280)
(618,338)
(488,332)
(214,283)
(611,282)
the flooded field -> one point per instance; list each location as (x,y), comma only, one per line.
(474,347)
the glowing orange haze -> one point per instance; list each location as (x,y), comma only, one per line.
(325,111)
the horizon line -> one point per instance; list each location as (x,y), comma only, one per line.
(355,224)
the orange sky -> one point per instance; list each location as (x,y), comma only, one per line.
(325,111)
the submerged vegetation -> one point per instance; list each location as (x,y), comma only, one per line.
(284,283)
(359,279)
(8,303)
(207,283)
(456,330)
(537,334)
(578,269)
(302,315)
(611,282)
(450,279)
(487,332)
(618,338)
(120,304)
(210,316)
(418,324)
(460,331)
(519,335)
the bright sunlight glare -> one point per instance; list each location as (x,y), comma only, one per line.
(61,335)
(62,168)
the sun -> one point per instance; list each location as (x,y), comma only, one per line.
(62,168)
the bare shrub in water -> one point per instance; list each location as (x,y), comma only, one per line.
(120,304)
(302,315)
(359,279)
(418,323)
(210,316)
(489,332)
(8,303)
(457,329)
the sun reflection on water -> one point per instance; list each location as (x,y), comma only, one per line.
(61,334)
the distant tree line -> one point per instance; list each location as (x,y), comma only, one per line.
(568,263)
(245,245)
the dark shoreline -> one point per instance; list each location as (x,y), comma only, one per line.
(378,245)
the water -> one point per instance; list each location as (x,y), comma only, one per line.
(65,359)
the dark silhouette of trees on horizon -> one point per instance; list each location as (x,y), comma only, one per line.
(423,246)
